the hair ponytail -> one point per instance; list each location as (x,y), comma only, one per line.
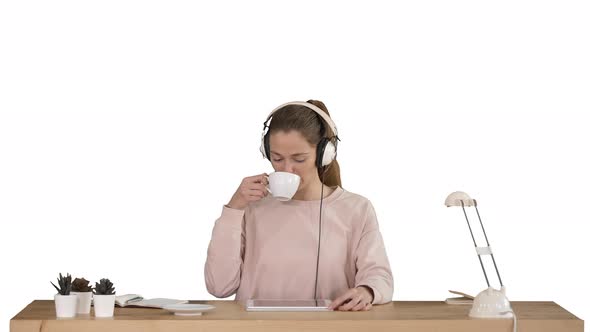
(329,175)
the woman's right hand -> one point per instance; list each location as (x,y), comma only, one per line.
(252,188)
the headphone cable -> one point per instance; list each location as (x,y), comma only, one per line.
(319,239)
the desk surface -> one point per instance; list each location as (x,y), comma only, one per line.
(230,315)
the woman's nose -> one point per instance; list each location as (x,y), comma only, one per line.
(288,167)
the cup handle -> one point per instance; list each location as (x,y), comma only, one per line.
(267,189)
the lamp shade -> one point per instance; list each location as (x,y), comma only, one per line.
(454,199)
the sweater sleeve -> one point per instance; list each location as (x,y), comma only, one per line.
(372,264)
(225,254)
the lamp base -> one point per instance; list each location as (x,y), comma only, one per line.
(491,303)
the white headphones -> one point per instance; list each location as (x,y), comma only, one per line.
(326,148)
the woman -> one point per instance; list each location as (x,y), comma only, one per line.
(263,248)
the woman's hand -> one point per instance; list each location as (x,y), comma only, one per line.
(252,188)
(354,299)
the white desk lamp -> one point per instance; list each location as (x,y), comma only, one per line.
(489,303)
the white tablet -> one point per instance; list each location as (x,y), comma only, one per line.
(287,305)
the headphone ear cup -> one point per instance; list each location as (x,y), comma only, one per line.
(262,146)
(329,153)
(326,152)
(266,146)
(319,156)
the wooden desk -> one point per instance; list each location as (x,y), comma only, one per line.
(231,316)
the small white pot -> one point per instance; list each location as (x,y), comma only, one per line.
(65,305)
(84,299)
(104,305)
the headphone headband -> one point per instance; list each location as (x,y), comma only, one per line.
(313,107)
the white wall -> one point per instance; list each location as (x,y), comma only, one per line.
(125,125)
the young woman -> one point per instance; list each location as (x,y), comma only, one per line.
(324,243)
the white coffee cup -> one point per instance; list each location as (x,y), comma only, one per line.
(283,185)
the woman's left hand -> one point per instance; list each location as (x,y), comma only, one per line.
(354,299)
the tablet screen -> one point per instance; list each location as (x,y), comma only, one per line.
(287,305)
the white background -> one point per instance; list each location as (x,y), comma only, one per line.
(126,125)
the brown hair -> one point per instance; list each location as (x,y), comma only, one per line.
(313,128)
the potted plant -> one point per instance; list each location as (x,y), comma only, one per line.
(65,303)
(81,289)
(104,298)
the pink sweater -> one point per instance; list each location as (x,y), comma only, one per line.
(269,250)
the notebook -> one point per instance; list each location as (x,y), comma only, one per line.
(137,301)
(464,299)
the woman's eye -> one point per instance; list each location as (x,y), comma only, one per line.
(281,159)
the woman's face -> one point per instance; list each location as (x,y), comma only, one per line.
(291,152)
